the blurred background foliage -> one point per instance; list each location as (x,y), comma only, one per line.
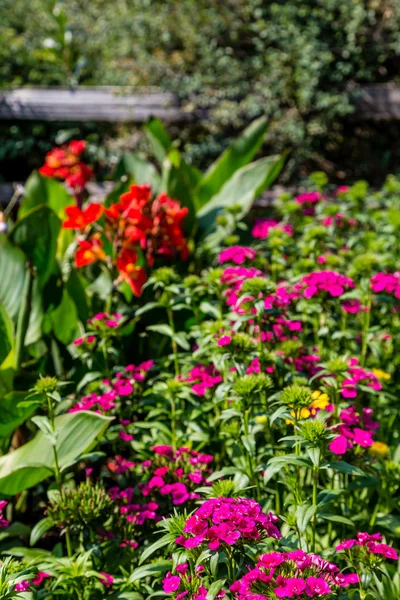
(230,61)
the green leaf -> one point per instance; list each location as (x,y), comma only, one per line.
(215,588)
(76,291)
(40,529)
(34,461)
(158,137)
(178,181)
(181,339)
(304,515)
(158,567)
(40,191)
(64,319)
(6,334)
(36,233)
(345,467)
(166,539)
(15,410)
(241,189)
(142,171)
(12,276)
(242,151)
(337,519)
(162,328)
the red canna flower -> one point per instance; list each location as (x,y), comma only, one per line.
(134,275)
(64,163)
(80,219)
(89,251)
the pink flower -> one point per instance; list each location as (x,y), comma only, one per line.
(106,579)
(22,586)
(40,577)
(225,340)
(339,445)
(316,586)
(237,255)
(262,228)
(126,437)
(171,583)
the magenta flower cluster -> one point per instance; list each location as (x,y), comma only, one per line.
(203,377)
(389,283)
(308,201)
(174,475)
(237,255)
(358,375)
(371,543)
(186,585)
(262,228)
(354,430)
(123,384)
(228,521)
(324,282)
(291,575)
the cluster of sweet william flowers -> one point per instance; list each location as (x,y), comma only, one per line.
(328,282)
(308,201)
(237,255)
(388,283)
(122,385)
(139,225)
(3,520)
(65,163)
(183,585)
(291,575)
(102,325)
(339,220)
(25,585)
(228,521)
(367,543)
(173,475)
(355,430)
(357,375)
(203,377)
(262,228)
(233,278)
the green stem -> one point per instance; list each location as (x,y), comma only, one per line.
(23,317)
(173,342)
(314,501)
(366,325)
(173,423)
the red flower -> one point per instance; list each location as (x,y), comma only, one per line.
(89,251)
(80,219)
(134,275)
(64,163)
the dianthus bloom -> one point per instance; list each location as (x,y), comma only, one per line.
(329,282)
(358,375)
(354,430)
(372,544)
(172,476)
(228,521)
(307,201)
(388,283)
(263,227)
(291,575)
(186,586)
(203,377)
(64,163)
(3,520)
(237,255)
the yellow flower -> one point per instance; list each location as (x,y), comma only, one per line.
(261,419)
(379,450)
(302,413)
(320,400)
(381,374)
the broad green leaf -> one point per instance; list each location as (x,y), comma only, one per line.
(34,461)
(215,588)
(337,519)
(12,276)
(15,410)
(76,290)
(6,334)
(142,172)
(64,319)
(163,329)
(46,191)
(40,528)
(158,137)
(241,189)
(34,332)
(242,151)
(178,181)
(36,234)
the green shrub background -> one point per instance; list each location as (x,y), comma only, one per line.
(230,61)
